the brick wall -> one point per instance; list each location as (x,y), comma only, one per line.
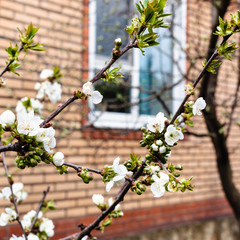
(64,31)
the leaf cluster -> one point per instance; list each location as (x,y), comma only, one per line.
(112,75)
(212,66)
(151,17)
(27,39)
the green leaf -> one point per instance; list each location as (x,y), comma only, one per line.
(225,50)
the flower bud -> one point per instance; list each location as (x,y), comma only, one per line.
(118,43)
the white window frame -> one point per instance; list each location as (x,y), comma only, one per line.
(133,120)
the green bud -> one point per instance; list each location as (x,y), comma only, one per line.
(106,223)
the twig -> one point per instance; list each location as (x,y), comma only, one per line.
(120,196)
(214,55)
(79,168)
(39,208)
(10,62)
(12,194)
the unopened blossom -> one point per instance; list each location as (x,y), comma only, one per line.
(199,105)
(159,142)
(28,124)
(154,147)
(96,96)
(162,149)
(46,73)
(172,135)
(121,172)
(58,159)
(98,199)
(47,227)
(158,187)
(7,118)
(157,124)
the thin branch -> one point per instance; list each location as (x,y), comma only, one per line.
(204,70)
(10,62)
(12,194)
(58,110)
(197,134)
(79,168)
(39,208)
(120,196)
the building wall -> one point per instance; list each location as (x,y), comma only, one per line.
(64,31)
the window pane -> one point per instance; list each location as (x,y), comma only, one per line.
(116,96)
(156,69)
(112,17)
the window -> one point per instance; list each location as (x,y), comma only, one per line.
(136,98)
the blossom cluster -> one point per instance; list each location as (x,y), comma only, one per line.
(118,173)
(44,226)
(41,140)
(98,199)
(53,90)
(19,194)
(26,105)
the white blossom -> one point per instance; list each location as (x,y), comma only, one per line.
(32,236)
(171,187)
(158,187)
(58,159)
(28,218)
(87,88)
(84,238)
(162,149)
(46,73)
(98,199)
(51,143)
(7,216)
(4,219)
(154,147)
(41,88)
(121,172)
(95,96)
(17,191)
(28,124)
(46,135)
(7,117)
(159,142)
(157,124)
(14,237)
(54,92)
(153,169)
(172,135)
(47,227)
(34,105)
(199,105)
